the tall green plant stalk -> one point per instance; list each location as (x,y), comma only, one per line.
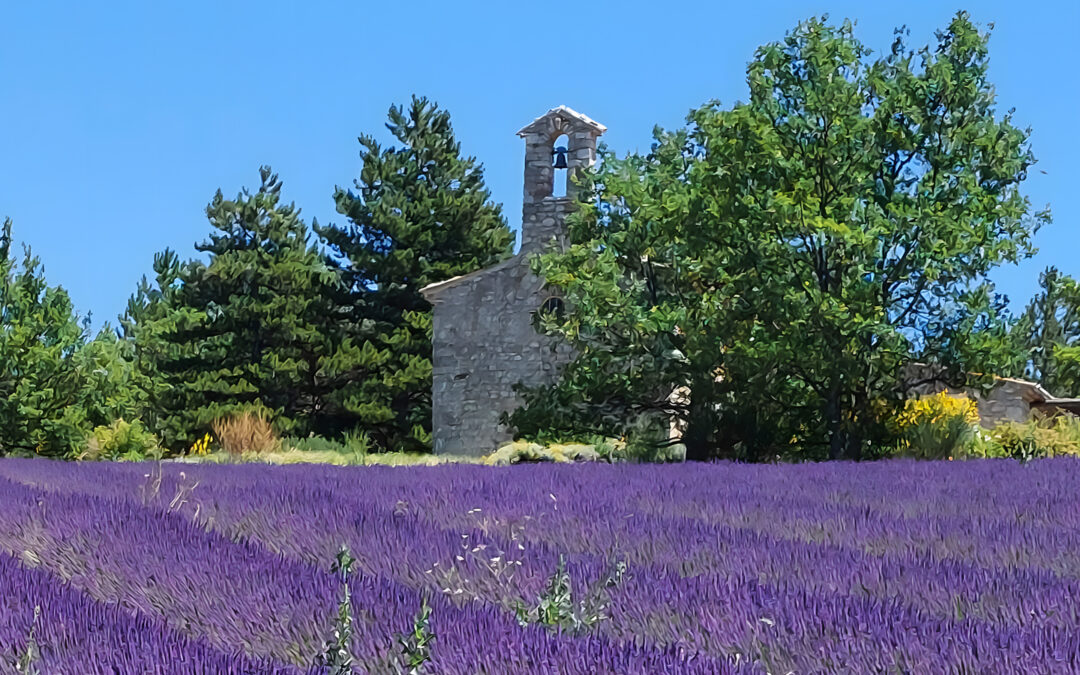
(338,657)
(416,646)
(32,654)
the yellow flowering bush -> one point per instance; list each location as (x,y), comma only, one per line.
(937,426)
(936,408)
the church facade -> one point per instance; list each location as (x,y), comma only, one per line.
(484,340)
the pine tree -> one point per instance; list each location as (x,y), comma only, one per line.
(420,213)
(1050,323)
(246,330)
(139,326)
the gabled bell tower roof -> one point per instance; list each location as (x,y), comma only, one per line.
(560,116)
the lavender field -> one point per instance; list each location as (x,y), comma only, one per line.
(898,567)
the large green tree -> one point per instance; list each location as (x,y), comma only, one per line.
(248,328)
(56,383)
(419,213)
(767,274)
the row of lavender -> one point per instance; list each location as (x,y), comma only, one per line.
(899,566)
(116,542)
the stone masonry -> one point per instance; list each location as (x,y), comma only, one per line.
(484,340)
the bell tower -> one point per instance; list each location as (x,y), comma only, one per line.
(484,342)
(557,145)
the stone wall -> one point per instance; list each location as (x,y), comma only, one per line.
(1008,401)
(485,343)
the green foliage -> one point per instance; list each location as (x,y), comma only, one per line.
(420,213)
(353,445)
(416,646)
(124,441)
(313,444)
(556,607)
(1030,440)
(347,457)
(56,383)
(31,655)
(765,274)
(252,328)
(357,443)
(938,439)
(1065,361)
(524,452)
(1047,335)
(142,330)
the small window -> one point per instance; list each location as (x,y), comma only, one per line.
(554,308)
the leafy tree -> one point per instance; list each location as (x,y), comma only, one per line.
(1066,369)
(56,383)
(765,275)
(1049,331)
(420,213)
(249,329)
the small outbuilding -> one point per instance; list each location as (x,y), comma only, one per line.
(1006,400)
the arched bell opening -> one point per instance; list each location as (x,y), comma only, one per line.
(559,151)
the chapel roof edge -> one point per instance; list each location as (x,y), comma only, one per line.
(433,290)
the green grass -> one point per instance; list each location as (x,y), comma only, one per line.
(294,456)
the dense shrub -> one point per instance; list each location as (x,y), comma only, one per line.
(312,444)
(1052,437)
(356,443)
(247,432)
(595,450)
(122,440)
(520,452)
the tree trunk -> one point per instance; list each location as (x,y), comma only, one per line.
(696,439)
(699,425)
(834,425)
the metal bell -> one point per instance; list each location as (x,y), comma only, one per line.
(560,157)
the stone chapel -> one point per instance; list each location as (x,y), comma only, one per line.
(484,340)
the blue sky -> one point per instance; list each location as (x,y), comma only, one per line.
(118,121)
